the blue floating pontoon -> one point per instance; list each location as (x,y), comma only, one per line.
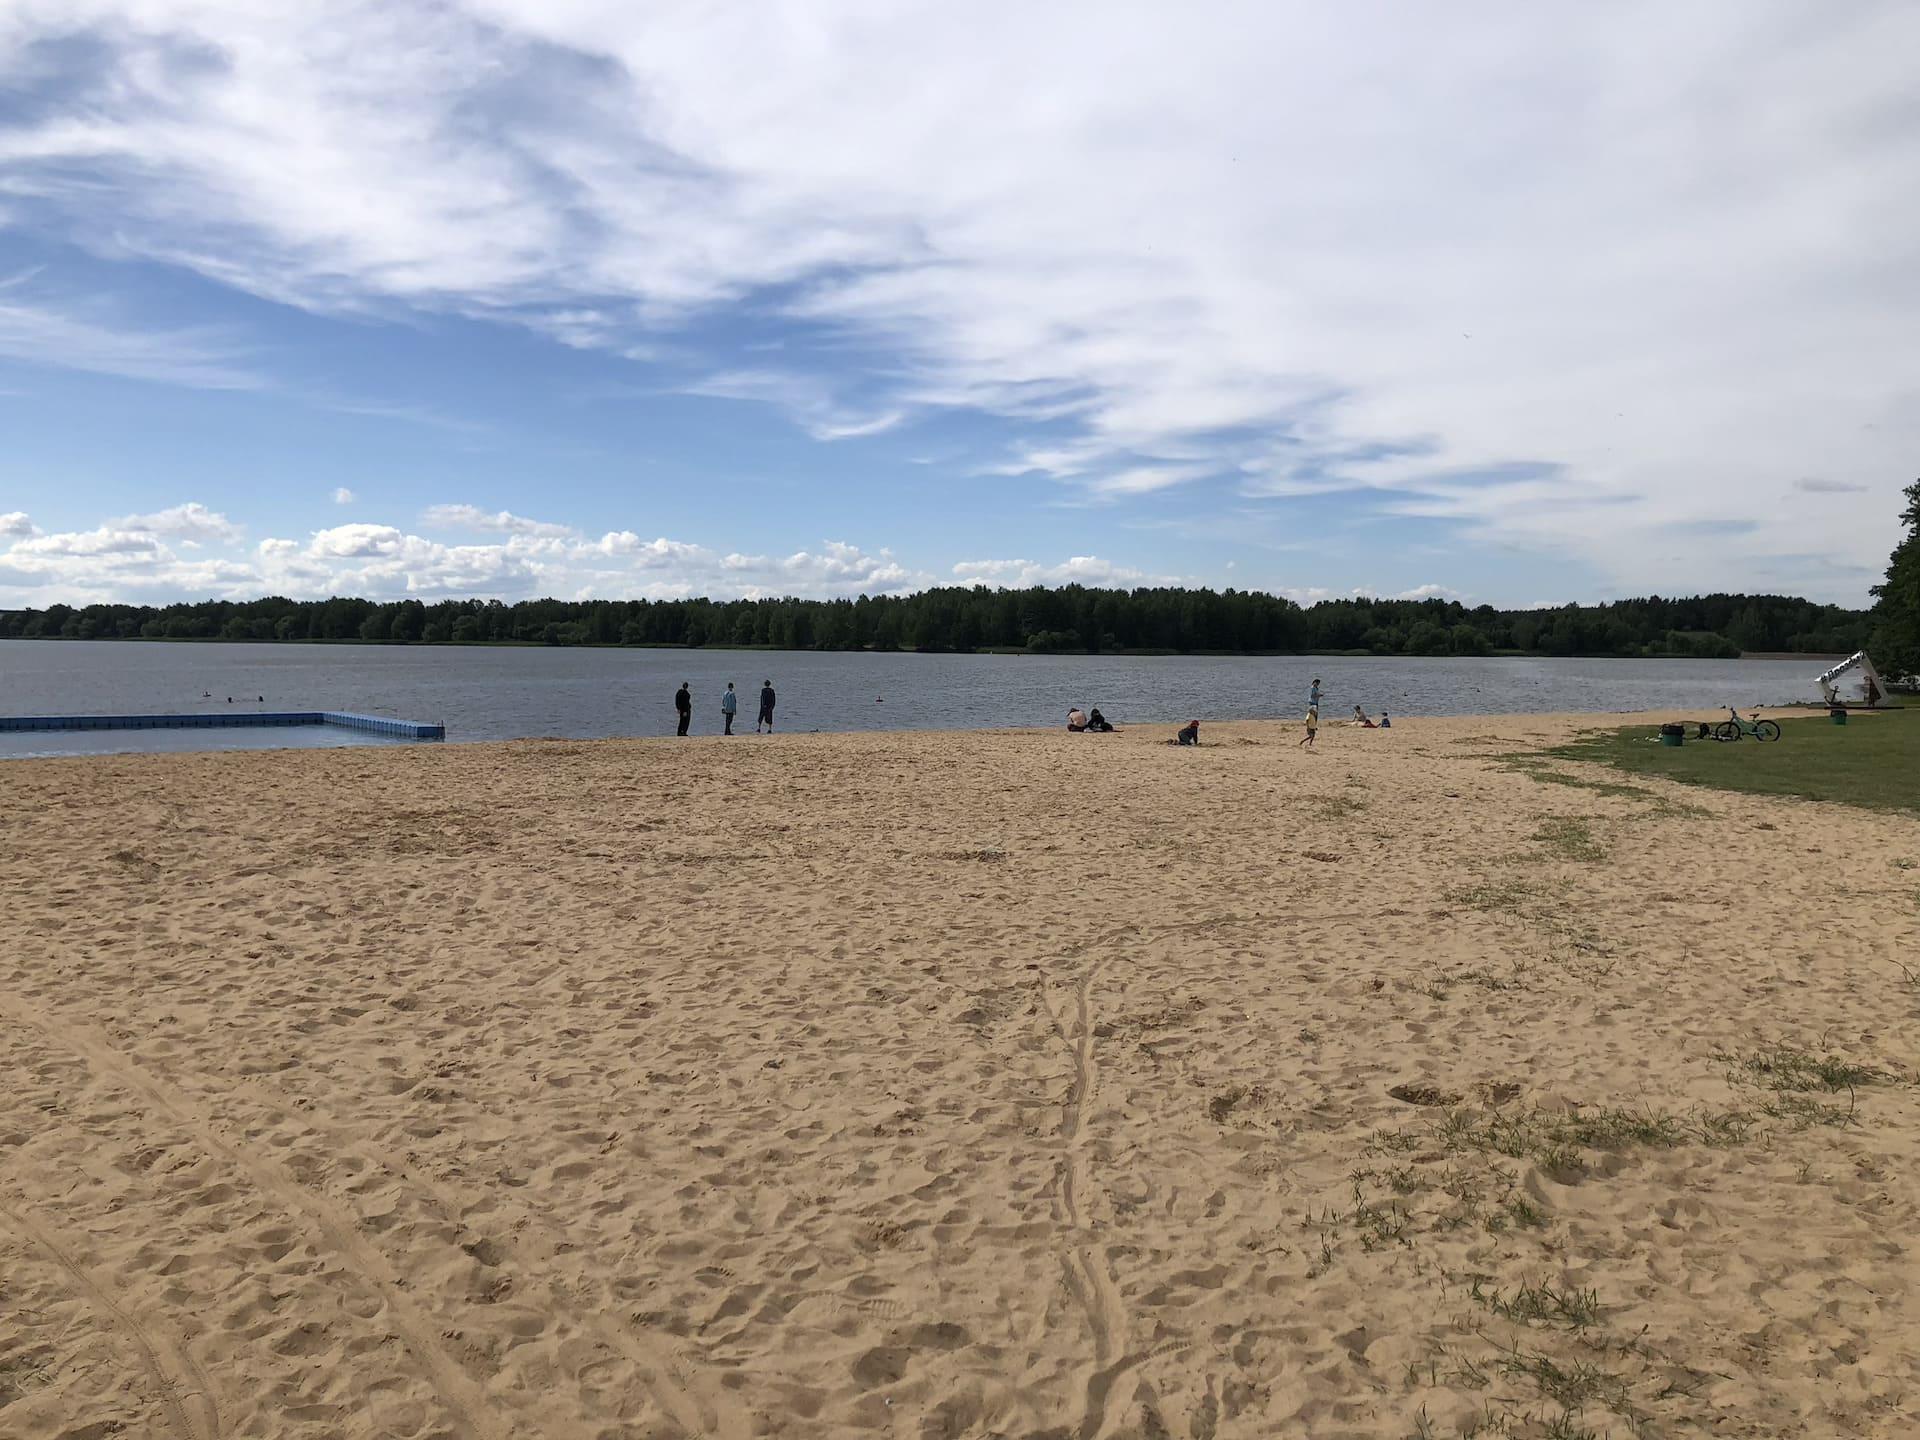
(372,724)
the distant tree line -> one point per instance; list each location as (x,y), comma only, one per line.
(1072,618)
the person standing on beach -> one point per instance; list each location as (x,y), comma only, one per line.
(766,708)
(729,703)
(1313,722)
(683,702)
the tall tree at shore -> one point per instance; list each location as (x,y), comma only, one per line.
(1896,636)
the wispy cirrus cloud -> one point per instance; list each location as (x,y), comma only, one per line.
(39,327)
(1378,253)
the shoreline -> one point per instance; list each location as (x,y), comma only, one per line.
(1585,719)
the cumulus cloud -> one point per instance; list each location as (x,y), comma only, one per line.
(1469,264)
(135,559)
(342,495)
(192,522)
(472,517)
(1076,570)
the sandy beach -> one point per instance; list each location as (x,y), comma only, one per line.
(953,1085)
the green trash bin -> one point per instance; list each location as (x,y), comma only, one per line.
(1673,734)
(1838,717)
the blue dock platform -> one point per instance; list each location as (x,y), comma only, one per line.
(236,720)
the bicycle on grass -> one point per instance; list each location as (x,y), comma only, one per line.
(1736,727)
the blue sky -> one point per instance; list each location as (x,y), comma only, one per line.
(512,298)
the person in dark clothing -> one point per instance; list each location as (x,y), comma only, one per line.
(1097,722)
(1189,734)
(683,702)
(766,707)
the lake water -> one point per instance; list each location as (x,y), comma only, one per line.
(495,694)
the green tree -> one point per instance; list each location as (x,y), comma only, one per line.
(1427,638)
(1896,634)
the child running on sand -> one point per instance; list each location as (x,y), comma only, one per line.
(1313,724)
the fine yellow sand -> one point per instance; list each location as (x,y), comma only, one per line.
(1012,1084)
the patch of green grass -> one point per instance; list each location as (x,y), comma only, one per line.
(1507,896)
(1569,837)
(1782,1067)
(1557,1139)
(1536,767)
(1334,807)
(1570,1307)
(1572,1385)
(1525,1213)
(1872,762)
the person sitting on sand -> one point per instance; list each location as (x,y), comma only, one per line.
(1098,722)
(1076,719)
(1360,719)
(1189,734)
(1385,723)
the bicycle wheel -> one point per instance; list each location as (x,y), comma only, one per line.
(1766,730)
(1726,730)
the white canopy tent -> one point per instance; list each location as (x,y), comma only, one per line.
(1867,682)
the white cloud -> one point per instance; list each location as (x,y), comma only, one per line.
(192,523)
(37,328)
(132,559)
(1665,256)
(1077,570)
(472,517)
(92,544)
(807,400)
(342,495)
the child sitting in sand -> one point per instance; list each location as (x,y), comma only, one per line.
(1189,734)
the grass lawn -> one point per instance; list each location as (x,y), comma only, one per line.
(1874,760)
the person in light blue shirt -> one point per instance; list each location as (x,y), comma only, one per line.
(1313,695)
(729,705)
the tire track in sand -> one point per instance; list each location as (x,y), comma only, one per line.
(461,1395)
(691,1400)
(185,1391)
(1088,1278)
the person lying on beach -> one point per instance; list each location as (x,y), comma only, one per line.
(1189,734)
(1360,719)
(1098,722)
(1076,719)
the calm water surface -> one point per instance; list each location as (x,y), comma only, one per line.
(496,694)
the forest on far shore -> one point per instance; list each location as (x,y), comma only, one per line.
(1072,618)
